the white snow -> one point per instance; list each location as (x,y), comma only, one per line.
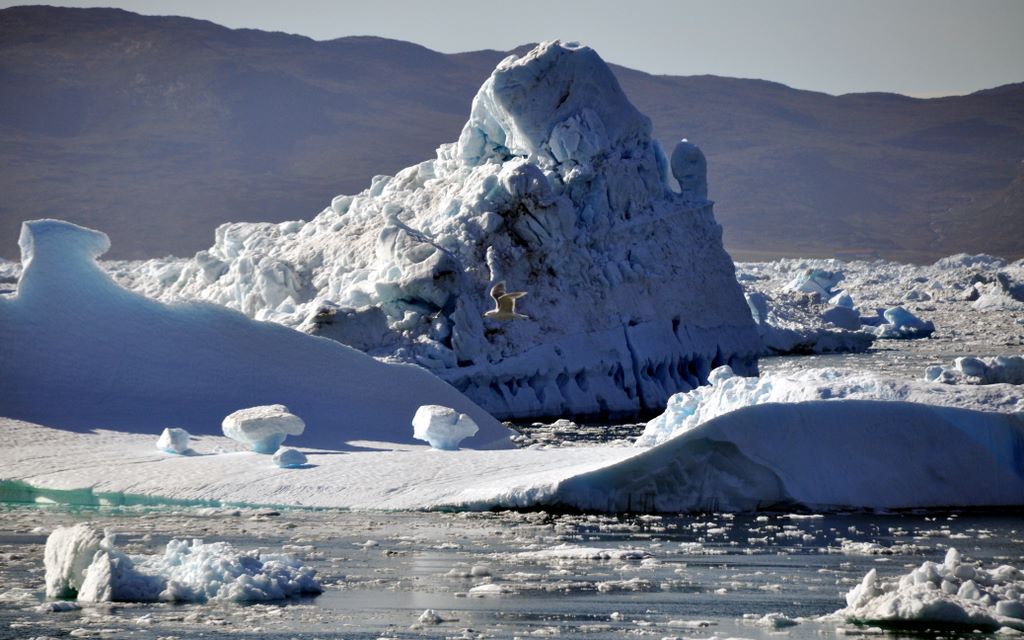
(953,593)
(443,427)
(263,428)
(80,352)
(556,187)
(173,440)
(185,572)
(290,458)
(974,370)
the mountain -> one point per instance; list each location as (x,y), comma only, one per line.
(157,129)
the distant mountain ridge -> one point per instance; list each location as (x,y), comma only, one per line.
(157,129)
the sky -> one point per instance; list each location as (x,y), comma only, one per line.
(923,48)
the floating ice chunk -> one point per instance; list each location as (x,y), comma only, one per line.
(289,458)
(443,427)
(264,428)
(842,317)
(68,553)
(972,370)
(575,552)
(841,299)
(952,594)
(818,281)
(173,440)
(430,616)
(901,324)
(185,572)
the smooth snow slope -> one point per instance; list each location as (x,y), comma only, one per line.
(555,187)
(79,352)
(822,455)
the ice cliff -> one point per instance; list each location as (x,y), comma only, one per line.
(556,187)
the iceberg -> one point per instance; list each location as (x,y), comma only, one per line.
(79,352)
(555,187)
(67,556)
(263,428)
(173,440)
(973,370)
(444,428)
(901,324)
(289,458)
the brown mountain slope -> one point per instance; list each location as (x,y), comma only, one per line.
(157,129)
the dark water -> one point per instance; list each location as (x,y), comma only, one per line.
(692,576)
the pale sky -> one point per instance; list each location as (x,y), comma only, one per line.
(916,47)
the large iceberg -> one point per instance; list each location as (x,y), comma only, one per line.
(79,352)
(555,187)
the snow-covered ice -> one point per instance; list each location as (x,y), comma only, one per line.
(442,427)
(951,594)
(173,440)
(728,392)
(186,572)
(79,352)
(68,554)
(263,428)
(290,458)
(555,187)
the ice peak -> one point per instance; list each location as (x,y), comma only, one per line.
(559,103)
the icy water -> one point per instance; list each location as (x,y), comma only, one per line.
(509,574)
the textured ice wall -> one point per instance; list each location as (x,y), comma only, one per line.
(556,187)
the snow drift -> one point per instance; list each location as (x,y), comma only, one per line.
(555,187)
(79,352)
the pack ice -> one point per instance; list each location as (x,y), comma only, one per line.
(79,352)
(555,187)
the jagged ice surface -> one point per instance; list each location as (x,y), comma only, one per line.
(556,187)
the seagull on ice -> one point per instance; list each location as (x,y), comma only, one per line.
(505,304)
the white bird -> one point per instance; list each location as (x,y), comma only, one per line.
(505,304)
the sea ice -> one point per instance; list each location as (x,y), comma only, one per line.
(185,572)
(289,458)
(952,593)
(443,427)
(263,428)
(556,187)
(173,440)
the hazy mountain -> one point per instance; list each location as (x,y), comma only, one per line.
(157,129)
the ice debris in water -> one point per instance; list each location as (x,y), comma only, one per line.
(953,594)
(289,458)
(79,563)
(173,440)
(263,428)
(972,370)
(901,324)
(444,428)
